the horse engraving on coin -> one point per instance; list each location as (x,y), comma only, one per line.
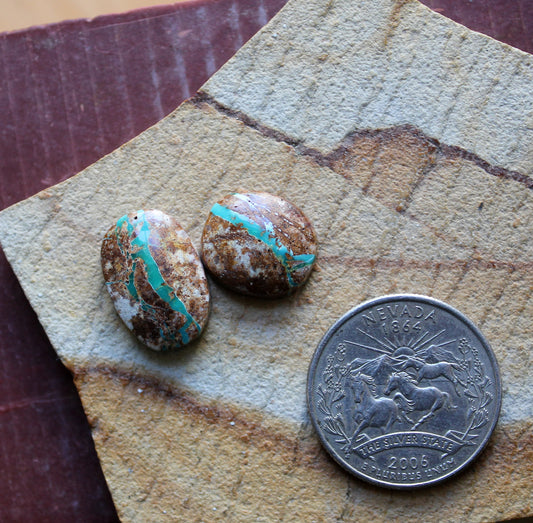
(404,391)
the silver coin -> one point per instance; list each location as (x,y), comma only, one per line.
(404,391)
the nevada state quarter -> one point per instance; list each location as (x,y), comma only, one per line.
(404,391)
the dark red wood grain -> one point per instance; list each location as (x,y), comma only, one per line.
(69,94)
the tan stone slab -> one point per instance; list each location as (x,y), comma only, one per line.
(220,429)
(368,65)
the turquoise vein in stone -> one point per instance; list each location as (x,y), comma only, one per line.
(155,279)
(268,236)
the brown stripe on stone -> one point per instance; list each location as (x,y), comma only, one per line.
(387,164)
(342,155)
(249,427)
(202,98)
(394,20)
(388,263)
(452,151)
(152,438)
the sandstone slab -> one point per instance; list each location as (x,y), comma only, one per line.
(407,140)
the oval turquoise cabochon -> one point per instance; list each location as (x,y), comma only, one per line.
(155,279)
(259,244)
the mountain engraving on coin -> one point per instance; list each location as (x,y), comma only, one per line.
(404,391)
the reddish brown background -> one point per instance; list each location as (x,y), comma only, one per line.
(69,94)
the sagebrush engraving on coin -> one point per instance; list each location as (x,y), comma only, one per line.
(404,391)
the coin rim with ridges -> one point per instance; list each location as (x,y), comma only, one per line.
(371,303)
